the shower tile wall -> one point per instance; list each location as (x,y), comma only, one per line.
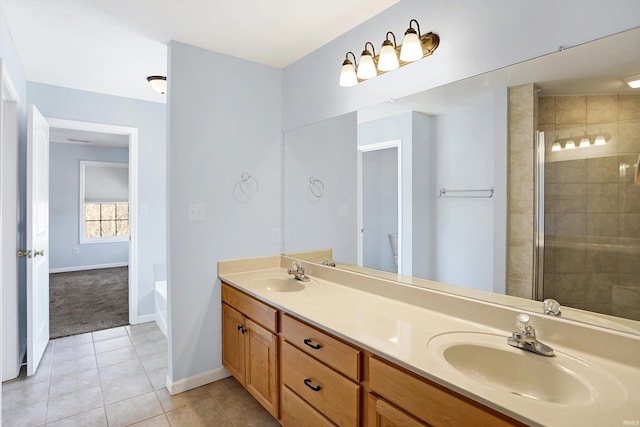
(592,206)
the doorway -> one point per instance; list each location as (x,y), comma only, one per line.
(96,136)
(380,206)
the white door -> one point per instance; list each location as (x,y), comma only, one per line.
(37,238)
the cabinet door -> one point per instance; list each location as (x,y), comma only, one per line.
(262,366)
(383,414)
(233,342)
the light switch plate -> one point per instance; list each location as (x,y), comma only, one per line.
(196,212)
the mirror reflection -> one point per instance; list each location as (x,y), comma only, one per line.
(383,210)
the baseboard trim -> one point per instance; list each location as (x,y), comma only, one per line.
(88,267)
(197,380)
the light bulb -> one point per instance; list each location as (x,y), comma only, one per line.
(584,142)
(348,74)
(411,47)
(569,145)
(556,146)
(366,67)
(388,59)
(600,140)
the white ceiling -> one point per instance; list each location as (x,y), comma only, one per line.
(110,46)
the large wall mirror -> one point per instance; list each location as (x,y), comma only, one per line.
(428,186)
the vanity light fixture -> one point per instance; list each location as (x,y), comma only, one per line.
(158,83)
(415,46)
(633,81)
(585,142)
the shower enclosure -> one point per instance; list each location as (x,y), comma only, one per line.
(587,230)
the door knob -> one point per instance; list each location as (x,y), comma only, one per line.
(36,253)
(25,253)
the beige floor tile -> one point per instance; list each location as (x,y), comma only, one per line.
(145,337)
(222,387)
(106,334)
(73,340)
(150,348)
(112,344)
(239,406)
(142,328)
(72,383)
(203,413)
(72,352)
(21,393)
(155,362)
(114,356)
(191,397)
(115,391)
(94,418)
(121,370)
(159,421)
(133,410)
(158,378)
(33,414)
(69,367)
(75,403)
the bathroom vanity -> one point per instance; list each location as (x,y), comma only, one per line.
(348,349)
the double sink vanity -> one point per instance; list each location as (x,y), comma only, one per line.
(324,346)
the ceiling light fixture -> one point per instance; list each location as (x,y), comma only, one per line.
(414,47)
(158,83)
(569,145)
(584,142)
(556,146)
(633,81)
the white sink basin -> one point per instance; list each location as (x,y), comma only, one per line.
(278,284)
(487,359)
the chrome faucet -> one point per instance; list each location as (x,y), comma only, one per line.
(329,263)
(526,339)
(297,271)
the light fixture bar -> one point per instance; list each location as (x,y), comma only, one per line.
(633,81)
(429,41)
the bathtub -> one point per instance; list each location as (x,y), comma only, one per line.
(161,305)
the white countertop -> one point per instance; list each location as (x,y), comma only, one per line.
(405,333)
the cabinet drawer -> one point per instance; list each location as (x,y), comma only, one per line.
(340,356)
(250,307)
(296,412)
(428,401)
(335,396)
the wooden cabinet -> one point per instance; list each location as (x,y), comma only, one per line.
(425,401)
(250,350)
(307,377)
(383,414)
(322,372)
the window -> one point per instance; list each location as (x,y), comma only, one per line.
(106,220)
(104,202)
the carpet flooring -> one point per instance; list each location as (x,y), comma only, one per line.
(88,301)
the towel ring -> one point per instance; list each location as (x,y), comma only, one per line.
(316,187)
(247,179)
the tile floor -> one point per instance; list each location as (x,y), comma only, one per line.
(117,377)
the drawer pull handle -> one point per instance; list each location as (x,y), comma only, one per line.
(307,382)
(313,346)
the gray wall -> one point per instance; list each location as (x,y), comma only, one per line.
(12,63)
(64,208)
(510,32)
(150,119)
(326,151)
(224,119)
